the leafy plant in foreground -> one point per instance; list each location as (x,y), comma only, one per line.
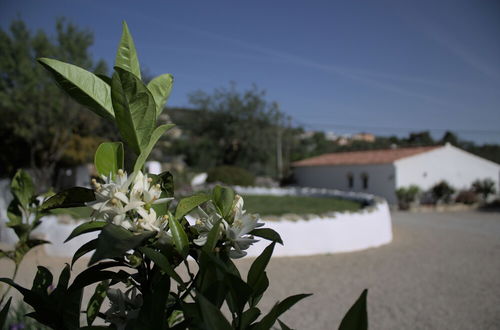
(144,236)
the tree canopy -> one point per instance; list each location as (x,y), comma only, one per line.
(36,115)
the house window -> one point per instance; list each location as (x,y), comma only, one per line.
(364,180)
(350,181)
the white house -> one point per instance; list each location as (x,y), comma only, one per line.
(381,172)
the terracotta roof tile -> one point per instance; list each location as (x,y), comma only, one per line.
(363,157)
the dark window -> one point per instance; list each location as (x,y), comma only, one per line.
(350,181)
(364,179)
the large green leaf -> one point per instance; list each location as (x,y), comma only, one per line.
(135,109)
(162,262)
(126,56)
(22,187)
(95,301)
(259,265)
(223,198)
(179,236)
(108,158)
(83,250)
(86,227)
(357,316)
(152,312)
(187,204)
(212,316)
(114,241)
(267,233)
(155,136)
(85,87)
(268,321)
(72,197)
(42,281)
(161,87)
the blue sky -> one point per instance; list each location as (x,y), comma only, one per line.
(387,67)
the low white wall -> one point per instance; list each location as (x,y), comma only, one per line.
(344,232)
(331,233)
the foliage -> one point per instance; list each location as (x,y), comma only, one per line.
(231,175)
(41,126)
(466,197)
(407,195)
(229,127)
(143,237)
(279,205)
(442,192)
(484,187)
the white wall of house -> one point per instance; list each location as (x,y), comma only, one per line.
(459,168)
(381,178)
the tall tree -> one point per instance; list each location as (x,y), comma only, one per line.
(36,115)
(241,128)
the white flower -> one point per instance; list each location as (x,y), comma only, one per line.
(205,223)
(238,233)
(150,193)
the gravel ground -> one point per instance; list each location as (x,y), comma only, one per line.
(442,271)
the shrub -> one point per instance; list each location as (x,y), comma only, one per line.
(484,187)
(466,197)
(407,195)
(442,191)
(231,175)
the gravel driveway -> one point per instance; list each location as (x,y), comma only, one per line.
(442,271)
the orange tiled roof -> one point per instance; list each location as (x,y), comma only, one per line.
(363,157)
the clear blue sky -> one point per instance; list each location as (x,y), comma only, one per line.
(346,66)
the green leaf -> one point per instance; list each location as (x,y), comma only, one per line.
(22,188)
(267,233)
(152,312)
(83,86)
(259,265)
(155,136)
(239,293)
(249,316)
(86,227)
(268,321)
(187,204)
(83,250)
(43,279)
(212,238)
(161,87)
(96,273)
(357,316)
(114,241)
(162,262)
(212,316)
(223,198)
(179,236)
(126,56)
(4,313)
(258,289)
(108,158)
(72,197)
(135,109)
(95,301)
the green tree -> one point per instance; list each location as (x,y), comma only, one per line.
(248,130)
(36,115)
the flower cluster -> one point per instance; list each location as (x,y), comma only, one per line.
(235,230)
(126,201)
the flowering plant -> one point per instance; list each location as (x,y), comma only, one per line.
(145,236)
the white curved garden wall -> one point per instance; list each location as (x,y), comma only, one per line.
(328,233)
(332,233)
